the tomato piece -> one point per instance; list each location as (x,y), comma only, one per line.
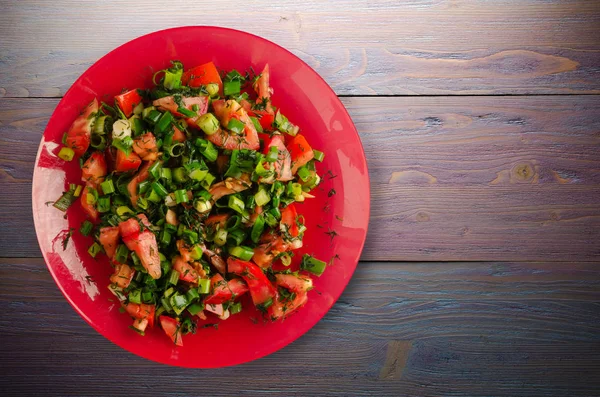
(140,311)
(140,177)
(127,162)
(131,227)
(109,238)
(80,133)
(281,308)
(146,248)
(168,103)
(220,291)
(214,220)
(288,223)
(225,111)
(90,209)
(238,287)
(178,135)
(145,146)
(294,283)
(94,169)
(203,75)
(128,100)
(282,166)
(172,328)
(261,289)
(261,86)
(123,275)
(186,272)
(300,151)
(265,118)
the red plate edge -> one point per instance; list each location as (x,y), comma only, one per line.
(175,359)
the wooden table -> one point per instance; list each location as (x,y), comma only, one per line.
(481,125)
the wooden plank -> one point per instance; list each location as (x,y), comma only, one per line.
(428,329)
(466,178)
(360,47)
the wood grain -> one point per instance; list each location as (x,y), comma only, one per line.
(361,47)
(466,178)
(427,329)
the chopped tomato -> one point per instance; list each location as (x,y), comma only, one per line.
(288,221)
(225,111)
(282,166)
(109,238)
(294,283)
(145,146)
(80,133)
(261,86)
(140,177)
(94,169)
(172,328)
(220,292)
(141,311)
(214,220)
(178,135)
(89,208)
(127,101)
(265,118)
(127,162)
(131,227)
(259,285)
(168,103)
(202,75)
(123,275)
(186,272)
(146,248)
(300,151)
(282,308)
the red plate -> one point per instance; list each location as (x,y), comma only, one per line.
(305,99)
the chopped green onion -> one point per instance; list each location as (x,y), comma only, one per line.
(257,229)
(178,303)
(122,210)
(108,186)
(173,277)
(270,219)
(65,200)
(103,204)
(142,203)
(202,206)
(304,173)
(98,142)
(242,252)
(165,237)
(181,196)
(153,116)
(172,79)
(195,308)
(231,87)
(190,236)
(236,126)
(137,127)
(147,296)
(272,155)
(286,259)
(179,175)
(186,112)
(122,253)
(207,149)
(318,155)
(196,252)
(155,170)
(159,189)
(198,175)
(236,237)
(207,181)
(66,153)
(165,173)
(312,265)
(92,196)
(233,223)
(261,197)
(99,125)
(256,124)
(78,191)
(208,123)
(204,286)
(154,197)
(176,150)
(212,89)
(146,111)
(86,228)
(235,308)
(275,212)
(220,237)
(135,296)
(192,294)
(124,144)
(236,204)
(94,249)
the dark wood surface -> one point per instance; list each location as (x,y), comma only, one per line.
(480,275)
